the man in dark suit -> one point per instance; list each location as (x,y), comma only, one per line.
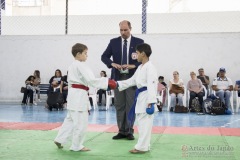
(124,64)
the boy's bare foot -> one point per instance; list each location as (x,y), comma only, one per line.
(85,149)
(59,145)
(135,151)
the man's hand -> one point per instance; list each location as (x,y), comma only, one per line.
(117,66)
(128,66)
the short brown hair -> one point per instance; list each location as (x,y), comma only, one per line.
(78,47)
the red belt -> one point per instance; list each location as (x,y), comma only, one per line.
(80,86)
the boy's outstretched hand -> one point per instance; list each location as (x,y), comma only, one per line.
(112,84)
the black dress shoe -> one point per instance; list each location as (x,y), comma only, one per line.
(119,136)
(130,137)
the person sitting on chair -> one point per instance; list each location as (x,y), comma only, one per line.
(55,81)
(100,92)
(162,87)
(176,90)
(223,86)
(30,89)
(196,90)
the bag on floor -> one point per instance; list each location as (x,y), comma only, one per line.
(195,107)
(55,100)
(207,105)
(218,107)
(23,89)
(180,109)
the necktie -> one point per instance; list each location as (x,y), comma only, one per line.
(124,56)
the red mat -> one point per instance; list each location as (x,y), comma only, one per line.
(114,129)
(28,126)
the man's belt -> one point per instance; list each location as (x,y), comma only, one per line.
(80,86)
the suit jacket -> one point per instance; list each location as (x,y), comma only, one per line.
(114,50)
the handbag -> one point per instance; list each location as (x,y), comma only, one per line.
(176,89)
(180,109)
(23,89)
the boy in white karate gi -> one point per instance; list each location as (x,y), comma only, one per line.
(144,77)
(79,78)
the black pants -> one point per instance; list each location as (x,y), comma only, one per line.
(65,93)
(193,95)
(91,101)
(100,92)
(27,93)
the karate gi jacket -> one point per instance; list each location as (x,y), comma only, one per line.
(145,76)
(80,73)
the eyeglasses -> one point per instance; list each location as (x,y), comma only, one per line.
(174,74)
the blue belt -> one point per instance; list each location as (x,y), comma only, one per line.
(131,113)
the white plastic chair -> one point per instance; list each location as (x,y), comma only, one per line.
(160,97)
(109,96)
(184,98)
(93,95)
(231,99)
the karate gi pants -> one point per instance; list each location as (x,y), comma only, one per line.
(75,125)
(145,123)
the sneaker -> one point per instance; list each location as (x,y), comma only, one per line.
(23,104)
(35,103)
(39,100)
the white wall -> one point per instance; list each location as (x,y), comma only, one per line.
(21,55)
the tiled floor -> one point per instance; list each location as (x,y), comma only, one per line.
(27,132)
(18,113)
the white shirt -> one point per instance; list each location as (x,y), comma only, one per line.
(145,76)
(80,73)
(222,83)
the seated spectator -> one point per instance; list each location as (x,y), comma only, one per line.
(223,86)
(37,81)
(204,79)
(162,87)
(30,89)
(237,87)
(100,92)
(64,88)
(176,90)
(55,82)
(196,90)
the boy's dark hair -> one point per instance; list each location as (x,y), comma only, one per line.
(144,47)
(160,77)
(78,47)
